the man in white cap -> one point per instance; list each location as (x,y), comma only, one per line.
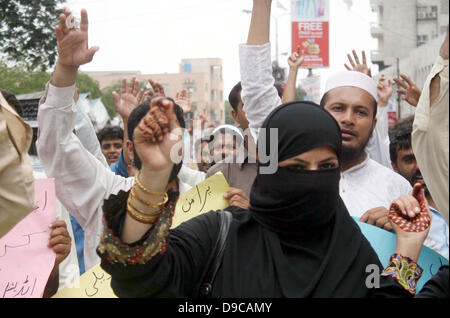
(367,187)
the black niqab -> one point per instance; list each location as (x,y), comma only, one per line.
(306,244)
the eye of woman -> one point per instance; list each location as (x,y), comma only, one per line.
(296,167)
(328,165)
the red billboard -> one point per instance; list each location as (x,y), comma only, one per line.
(310,32)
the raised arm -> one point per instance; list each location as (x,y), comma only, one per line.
(258,94)
(294,61)
(82,182)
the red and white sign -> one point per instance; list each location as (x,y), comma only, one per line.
(310,32)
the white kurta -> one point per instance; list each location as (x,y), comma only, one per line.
(82,182)
(370,185)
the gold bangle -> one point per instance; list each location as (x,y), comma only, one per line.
(153,205)
(140,218)
(145,189)
(136,209)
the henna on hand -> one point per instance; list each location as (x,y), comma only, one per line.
(420,222)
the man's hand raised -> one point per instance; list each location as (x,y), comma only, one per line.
(357,65)
(384,91)
(73,49)
(411,93)
(128,99)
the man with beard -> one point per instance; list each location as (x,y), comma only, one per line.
(367,187)
(404,162)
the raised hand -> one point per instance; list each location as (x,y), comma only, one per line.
(385,91)
(411,220)
(183,99)
(356,65)
(296,60)
(73,49)
(156,135)
(410,214)
(128,99)
(158,89)
(411,93)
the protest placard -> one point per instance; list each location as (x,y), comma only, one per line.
(26,261)
(204,197)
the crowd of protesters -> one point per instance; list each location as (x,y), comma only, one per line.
(300,173)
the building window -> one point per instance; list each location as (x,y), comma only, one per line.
(213,95)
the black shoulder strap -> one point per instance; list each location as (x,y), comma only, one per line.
(215,260)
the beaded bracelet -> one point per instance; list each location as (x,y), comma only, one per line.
(404,271)
(117,252)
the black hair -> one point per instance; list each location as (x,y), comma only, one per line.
(279,87)
(323,102)
(135,118)
(400,137)
(109,133)
(235,94)
(12,100)
(139,112)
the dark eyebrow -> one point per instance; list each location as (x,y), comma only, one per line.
(364,107)
(409,156)
(306,162)
(328,159)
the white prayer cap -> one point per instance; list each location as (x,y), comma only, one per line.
(354,79)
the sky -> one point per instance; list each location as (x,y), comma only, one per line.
(154,36)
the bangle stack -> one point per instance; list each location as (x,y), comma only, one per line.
(139,214)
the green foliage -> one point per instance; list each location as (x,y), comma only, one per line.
(108,99)
(26,32)
(228,117)
(85,84)
(19,81)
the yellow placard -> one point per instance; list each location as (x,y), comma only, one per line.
(204,197)
(95,283)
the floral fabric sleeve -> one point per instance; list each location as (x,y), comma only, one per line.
(153,242)
(404,271)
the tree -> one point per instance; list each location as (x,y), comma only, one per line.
(20,81)
(27,34)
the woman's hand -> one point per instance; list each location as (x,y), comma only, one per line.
(411,220)
(157,135)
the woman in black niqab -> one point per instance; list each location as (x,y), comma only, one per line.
(296,240)
(298,237)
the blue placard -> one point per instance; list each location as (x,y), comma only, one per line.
(384,242)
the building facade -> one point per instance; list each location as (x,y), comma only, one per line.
(202,77)
(410,34)
(403,25)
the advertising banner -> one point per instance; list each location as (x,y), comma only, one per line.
(310,31)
